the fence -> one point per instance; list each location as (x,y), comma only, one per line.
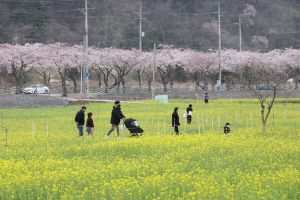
(10,97)
(180,93)
(23,101)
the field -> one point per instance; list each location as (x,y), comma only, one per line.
(44,158)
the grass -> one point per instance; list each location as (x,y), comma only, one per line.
(45,159)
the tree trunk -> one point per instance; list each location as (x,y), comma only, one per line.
(62,73)
(149,81)
(64,87)
(139,76)
(212,84)
(105,81)
(123,86)
(149,85)
(75,85)
(206,86)
(18,84)
(197,81)
(118,88)
(48,80)
(45,78)
(263,116)
(165,85)
(99,81)
(140,84)
(171,84)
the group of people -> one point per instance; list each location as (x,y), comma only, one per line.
(116,117)
(80,121)
(175,118)
(187,114)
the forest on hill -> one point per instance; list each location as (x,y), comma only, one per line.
(266,24)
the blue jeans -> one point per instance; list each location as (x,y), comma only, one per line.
(80,129)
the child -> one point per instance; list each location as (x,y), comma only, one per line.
(227,128)
(175,121)
(90,125)
(189,111)
(206,97)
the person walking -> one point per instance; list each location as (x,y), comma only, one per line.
(116,116)
(206,97)
(79,120)
(90,125)
(175,121)
(189,111)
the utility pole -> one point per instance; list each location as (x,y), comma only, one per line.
(86,44)
(153,71)
(219,81)
(141,33)
(240,31)
(84,85)
(220,46)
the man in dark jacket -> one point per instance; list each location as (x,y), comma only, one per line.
(116,116)
(79,120)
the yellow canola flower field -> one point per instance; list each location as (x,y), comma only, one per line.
(45,160)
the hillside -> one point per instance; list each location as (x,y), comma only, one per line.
(267,24)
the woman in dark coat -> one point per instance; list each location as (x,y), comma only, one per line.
(175,121)
(116,116)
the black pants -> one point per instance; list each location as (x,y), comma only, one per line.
(176,130)
(189,119)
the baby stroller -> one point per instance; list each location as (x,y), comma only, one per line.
(133,126)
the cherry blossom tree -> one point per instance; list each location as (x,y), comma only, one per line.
(260,42)
(64,58)
(74,73)
(292,57)
(124,61)
(95,60)
(200,65)
(166,61)
(43,65)
(267,70)
(144,63)
(101,61)
(19,60)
